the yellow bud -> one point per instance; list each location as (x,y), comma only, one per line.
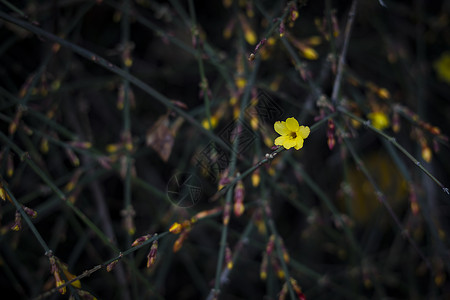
(261,227)
(175,228)
(254,123)
(128,62)
(309,53)
(240,82)
(214,121)
(70,276)
(427,154)
(263,275)
(250,37)
(2,194)
(256,178)
(112,148)
(70,186)
(60,283)
(383,93)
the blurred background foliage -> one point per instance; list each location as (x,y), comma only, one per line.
(111,148)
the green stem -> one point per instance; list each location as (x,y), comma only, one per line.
(393,141)
(113,68)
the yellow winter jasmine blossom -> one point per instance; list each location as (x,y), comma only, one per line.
(292,135)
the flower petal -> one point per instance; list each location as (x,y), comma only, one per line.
(289,143)
(292,124)
(299,144)
(304,131)
(280,127)
(279,141)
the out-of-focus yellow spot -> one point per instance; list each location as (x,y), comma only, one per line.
(44,146)
(275,85)
(280,274)
(264,53)
(314,40)
(271,41)
(70,186)
(227,33)
(442,67)
(256,179)
(439,279)
(214,122)
(129,146)
(56,85)
(268,141)
(111,148)
(427,154)
(2,194)
(367,283)
(379,120)
(263,275)
(128,62)
(383,93)
(230,265)
(240,82)
(309,53)
(236,112)
(254,123)
(233,100)
(250,37)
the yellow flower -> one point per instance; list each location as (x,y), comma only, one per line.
(379,120)
(292,134)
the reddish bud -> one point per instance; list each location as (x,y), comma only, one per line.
(226,213)
(17,222)
(151,257)
(140,240)
(32,213)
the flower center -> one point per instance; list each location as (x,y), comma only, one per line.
(293,135)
